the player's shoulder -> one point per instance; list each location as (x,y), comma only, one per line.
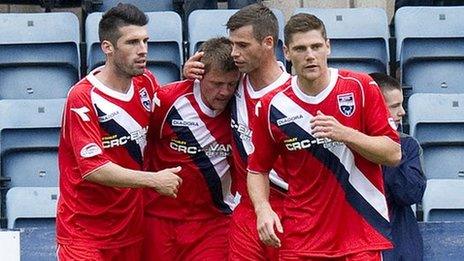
(146,80)
(361,77)
(281,90)
(176,89)
(80,90)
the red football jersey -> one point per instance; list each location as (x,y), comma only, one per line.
(336,203)
(185,132)
(242,114)
(101,125)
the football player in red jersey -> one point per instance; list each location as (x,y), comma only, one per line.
(331,128)
(190,127)
(103,135)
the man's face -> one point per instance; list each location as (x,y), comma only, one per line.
(246,50)
(308,52)
(394,101)
(130,53)
(217,87)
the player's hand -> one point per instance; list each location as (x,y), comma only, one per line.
(326,126)
(266,220)
(193,68)
(167,182)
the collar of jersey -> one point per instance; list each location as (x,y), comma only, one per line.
(258,94)
(203,107)
(322,95)
(107,90)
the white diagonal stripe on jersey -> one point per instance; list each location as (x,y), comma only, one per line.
(123,118)
(204,139)
(243,119)
(242,116)
(356,178)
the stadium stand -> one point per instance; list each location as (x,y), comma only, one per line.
(39,55)
(358,37)
(206,24)
(429,48)
(165,56)
(437,121)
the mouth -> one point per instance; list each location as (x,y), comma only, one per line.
(311,67)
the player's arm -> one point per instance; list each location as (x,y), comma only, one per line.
(378,149)
(406,183)
(165,182)
(193,68)
(266,218)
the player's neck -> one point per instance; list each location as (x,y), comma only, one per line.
(314,87)
(114,80)
(266,74)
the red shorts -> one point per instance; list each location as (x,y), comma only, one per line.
(129,252)
(170,240)
(361,256)
(244,239)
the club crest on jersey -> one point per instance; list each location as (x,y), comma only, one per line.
(346,104)
(144,99)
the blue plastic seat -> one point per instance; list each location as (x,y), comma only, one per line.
(29,136)
(358,37)
(165,55)
(39,55)
(437,121)
(206,24)
(430,49)
(443,200)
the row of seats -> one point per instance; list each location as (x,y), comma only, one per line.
(46,46)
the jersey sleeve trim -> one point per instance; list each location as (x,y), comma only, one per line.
(95,169)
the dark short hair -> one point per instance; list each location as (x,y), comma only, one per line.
(301,23)
(260,17)
(217,53)
(385,82)
(117,17)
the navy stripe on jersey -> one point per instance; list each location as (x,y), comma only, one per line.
(235,133)
(333,163)
(202,161)
(113,128)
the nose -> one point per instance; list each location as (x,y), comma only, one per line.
(310,54)
(401,111)
(143,48)
(234,52)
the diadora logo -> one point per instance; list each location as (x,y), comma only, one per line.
(287,120)
(293,144)
(107,117)
(214,149)
(139,136)
(182,123)
(245,133)
(144,99)
(346,104)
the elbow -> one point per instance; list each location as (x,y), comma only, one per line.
(393,159)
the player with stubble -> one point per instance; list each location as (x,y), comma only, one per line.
(103,135)
(331,128)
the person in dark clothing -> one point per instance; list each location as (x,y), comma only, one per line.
(404,184)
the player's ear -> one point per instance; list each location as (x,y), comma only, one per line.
(327,42)
(268,41)
(286,53)
(107,47)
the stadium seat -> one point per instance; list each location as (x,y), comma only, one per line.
(165,55)
(358,37)
(437,121)
(30,203)
(39,55)
(429,48)
(29,135)
(206,24)
(443,200)
(144,5)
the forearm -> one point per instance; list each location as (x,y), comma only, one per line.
(258,189)
(113,175)
(378,149)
